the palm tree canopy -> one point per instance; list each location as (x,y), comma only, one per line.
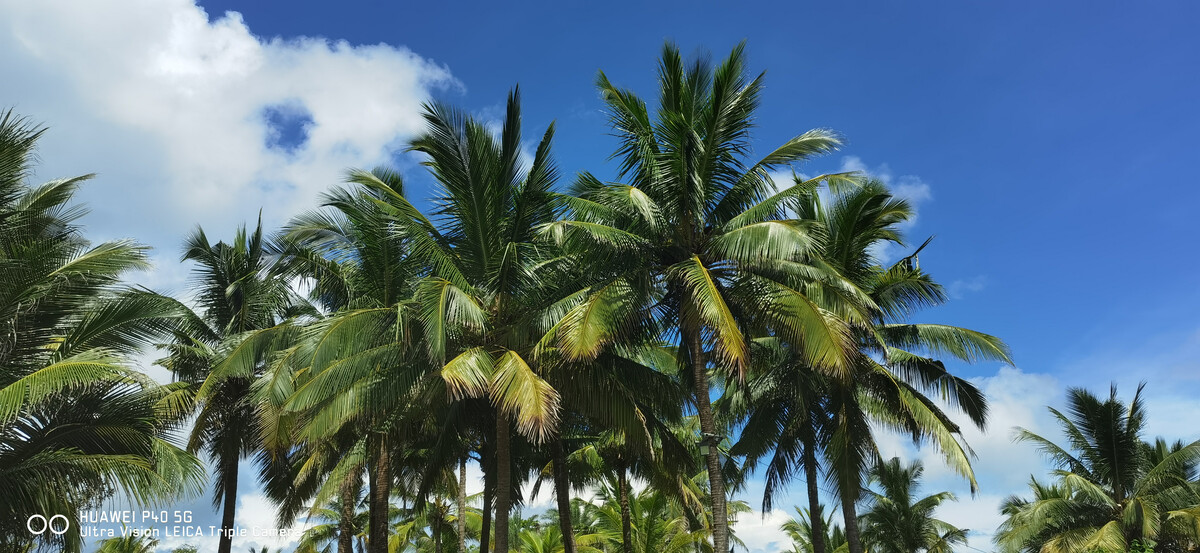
(77,422)
(1111,488)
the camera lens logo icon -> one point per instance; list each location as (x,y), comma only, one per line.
(39,524)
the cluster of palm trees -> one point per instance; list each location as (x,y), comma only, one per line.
(677,329)
(1112,490)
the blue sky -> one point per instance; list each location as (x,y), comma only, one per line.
(1050,147)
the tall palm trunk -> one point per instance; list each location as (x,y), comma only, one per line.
(485,535)
(814,498)
(562,494)
(708,426)
(229,501)
(380,482)
(437,532)
(626,523)
(503,480)
(346,522)
(850,518)
(462,505)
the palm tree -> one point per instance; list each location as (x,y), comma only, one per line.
(696,244)
(898,522)
(350,381)
(236,297)
(786,418)
(1111,489)
(481,302)
(805,536)
(77,422)
(657,523)
(798,411)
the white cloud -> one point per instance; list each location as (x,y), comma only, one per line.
(761,531)
(962,287)
(908,187)
(170,108)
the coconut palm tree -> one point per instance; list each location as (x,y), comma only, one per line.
(798,410)
(237,298)
(696,243)
(657,523)
(489,278)
(77,422)
(350,380)
(805,536)
(1111,488)
(900,522)
(331,528)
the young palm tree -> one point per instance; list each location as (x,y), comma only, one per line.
(1112,489)
(697,243)
(332,529)
(899,522)
(658,524)
(236,297)
(805,536)
(77,422)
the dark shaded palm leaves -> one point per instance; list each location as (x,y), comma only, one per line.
(893,379)
(77,422)
(897,521)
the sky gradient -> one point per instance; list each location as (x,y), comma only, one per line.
(1049,147)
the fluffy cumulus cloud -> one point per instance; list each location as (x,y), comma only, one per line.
(190,118)
(193,119)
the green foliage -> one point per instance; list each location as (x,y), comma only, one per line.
(898,521)
(1111,491)
(77,423)
(575,334)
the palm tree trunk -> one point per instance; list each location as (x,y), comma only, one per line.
(626,524)
(437,532)
(346,524)
(850,518)
(462,505)
(814,499)
(503,481)
(485,535)
(562,494)
(229,499)
(381,481)
(708,426)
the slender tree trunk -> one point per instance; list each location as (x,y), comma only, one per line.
(437,533)
(626,525)
(708,426)
(814,499)
(850,518)
(503,480)
(381,481)
(485,536)
(229,500)
(462,505)
(562,494)
(346,524)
